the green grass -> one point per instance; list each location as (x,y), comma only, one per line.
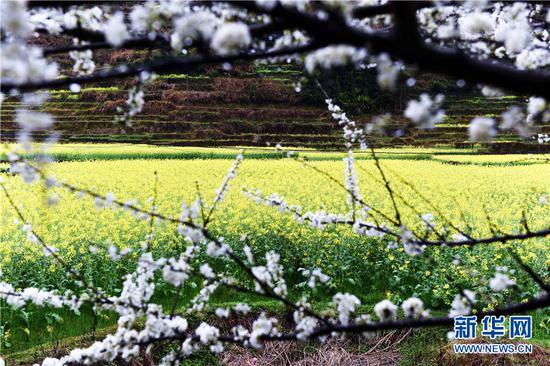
(423,347)
(85,152)
(121,151)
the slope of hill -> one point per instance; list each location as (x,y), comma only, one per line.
(256,106)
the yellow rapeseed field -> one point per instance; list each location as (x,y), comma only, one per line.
(465,194)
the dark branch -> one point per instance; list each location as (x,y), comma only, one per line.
(532,304)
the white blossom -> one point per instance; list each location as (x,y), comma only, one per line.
(110,198)
(263,326)
(474,24)
(500,282)
(222,312)
(116,32)
(315,276)
(83,63)
(193,27)
(176,271)
(352,134)
(352,181)
(412,307)
(31,120)
(385,310)
(533,59)
(48,361)
(242,308)
(513,28)
(305,326)
(514,118)
(271,275)
(332,56)
(424,112)
(15,19)
(232,172)
(462,303)
(536,105)
(345,305)
(75,88)
(491,92)
(410,245)
(35,99)
(207,271)
(387,72)
(482,129)
(49,250)
(207,333)
(230,38)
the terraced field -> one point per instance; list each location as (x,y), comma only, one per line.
(245,110)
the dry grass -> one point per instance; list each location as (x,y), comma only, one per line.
(357,351)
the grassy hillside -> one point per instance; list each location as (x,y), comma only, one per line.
(254,106)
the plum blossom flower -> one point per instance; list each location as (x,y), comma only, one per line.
(412,307)
(515,119)
(49,250)
(305,326)
(15,19)
(222,312)
(500,282)
(207,333)
(207,271)
(489,91)
(474,24)
(513,28)
(116,32)
(345,305)
(425,112)
(83,63)
(332,56)
(533,59)
(176,271)
(48,361)
(242,308)
(536,105)
(192,27)
(410,246)
(462,303)
(31,120)
(352,134)
(482,129)
(387,72)
(315,276)
(230,38)
(263,326)
(385,310)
